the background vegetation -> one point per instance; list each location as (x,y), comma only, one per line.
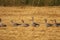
(30,2)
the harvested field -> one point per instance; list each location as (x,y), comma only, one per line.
(29,33)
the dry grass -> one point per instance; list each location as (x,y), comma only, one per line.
(29,33)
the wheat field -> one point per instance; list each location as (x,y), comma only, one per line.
(29,33)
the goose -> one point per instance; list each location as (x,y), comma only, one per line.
(34,23)
(24,24)
(48,24)
(56,24)
(1,24)
(15,24)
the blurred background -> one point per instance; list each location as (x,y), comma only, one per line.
(29,2)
